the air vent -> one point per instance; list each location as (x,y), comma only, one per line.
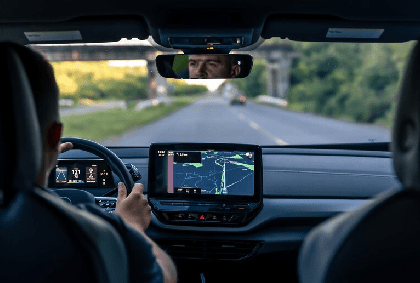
(209,249)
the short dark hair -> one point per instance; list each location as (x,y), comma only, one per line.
(43,85)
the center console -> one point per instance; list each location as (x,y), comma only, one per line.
(205,184)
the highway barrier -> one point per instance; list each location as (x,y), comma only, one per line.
(272,100)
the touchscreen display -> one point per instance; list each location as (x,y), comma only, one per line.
(209,172)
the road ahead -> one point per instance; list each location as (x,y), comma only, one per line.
(212,119)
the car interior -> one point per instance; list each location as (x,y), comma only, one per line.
(254,234)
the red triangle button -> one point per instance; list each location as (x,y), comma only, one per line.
(202,217)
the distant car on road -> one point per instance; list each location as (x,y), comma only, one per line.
(238,99)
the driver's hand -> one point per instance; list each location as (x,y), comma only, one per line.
(134,209)
(65,146)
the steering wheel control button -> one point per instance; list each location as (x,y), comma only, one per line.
(134,172)
(106,202)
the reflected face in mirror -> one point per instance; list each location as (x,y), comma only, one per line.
(213,67)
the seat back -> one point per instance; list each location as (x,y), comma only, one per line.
(43,238)
(384,245)
(379,241)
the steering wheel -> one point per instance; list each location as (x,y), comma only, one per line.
(111,158)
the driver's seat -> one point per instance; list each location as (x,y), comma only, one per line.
(42,238)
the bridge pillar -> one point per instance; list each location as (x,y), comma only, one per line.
(152,72)
(279,61)
(278,78)
(279,58)
(158,86)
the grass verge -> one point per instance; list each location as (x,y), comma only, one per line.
(101,125)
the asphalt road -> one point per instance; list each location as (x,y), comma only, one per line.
(212,119)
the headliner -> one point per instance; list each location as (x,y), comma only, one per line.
(305,20)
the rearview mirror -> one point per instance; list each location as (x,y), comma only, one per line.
(204,66)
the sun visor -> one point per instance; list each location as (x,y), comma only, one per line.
(80,31)
(331,29)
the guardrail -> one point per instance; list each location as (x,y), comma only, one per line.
(272,100)
(153,102)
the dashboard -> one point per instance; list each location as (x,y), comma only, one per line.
(300,187)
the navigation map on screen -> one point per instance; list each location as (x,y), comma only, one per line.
(209,172)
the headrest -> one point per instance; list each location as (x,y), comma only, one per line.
(406,139)
(20,137)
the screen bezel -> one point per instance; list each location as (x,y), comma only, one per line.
(258,180)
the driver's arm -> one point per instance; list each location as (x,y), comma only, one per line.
(147,262)
(136,212)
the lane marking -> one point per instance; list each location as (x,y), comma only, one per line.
(257,127)
(254,125)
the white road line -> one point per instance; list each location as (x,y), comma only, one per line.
(254,125)
(257,127)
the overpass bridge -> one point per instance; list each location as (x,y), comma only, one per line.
(279,58)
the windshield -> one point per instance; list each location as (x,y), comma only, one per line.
(297,93)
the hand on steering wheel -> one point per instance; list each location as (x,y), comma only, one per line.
(66,146)
(116,164)
(132,207)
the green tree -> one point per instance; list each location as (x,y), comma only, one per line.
(255,83)
(354,81)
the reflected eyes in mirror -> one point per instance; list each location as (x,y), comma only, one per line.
(212,64)
(207,63)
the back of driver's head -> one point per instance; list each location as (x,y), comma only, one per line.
(44,87)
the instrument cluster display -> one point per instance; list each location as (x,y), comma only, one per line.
(81,173)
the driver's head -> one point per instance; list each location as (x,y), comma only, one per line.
(45,90)
(212,67)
